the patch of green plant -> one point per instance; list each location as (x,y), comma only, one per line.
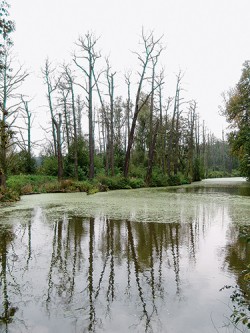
(24,184)
(184,180)
(241,304)
(136,182)
(241,299)
(8,195)
(218,174)
(114,183)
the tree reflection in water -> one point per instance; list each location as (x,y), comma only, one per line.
(7,309)
(96,274)
(99,249)
(238,260)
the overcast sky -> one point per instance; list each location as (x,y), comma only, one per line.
(208,40)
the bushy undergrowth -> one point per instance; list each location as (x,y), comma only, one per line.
(25,184)
(159,180)
(28,184)
(119,182)
(221,174)
(8,195)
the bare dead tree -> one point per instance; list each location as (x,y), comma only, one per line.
(69,80)
(58,125)
(150,45)
(88,55)
(173,138)
(110,79)
(10,81)
(52,82)
(152,132)
(128,105)
(191,138)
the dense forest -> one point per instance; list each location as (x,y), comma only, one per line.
(95,132)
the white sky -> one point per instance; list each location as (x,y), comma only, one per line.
(208,40)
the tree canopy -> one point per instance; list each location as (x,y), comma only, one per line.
(237,111)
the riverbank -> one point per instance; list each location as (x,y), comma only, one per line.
(19,185)
(35,184)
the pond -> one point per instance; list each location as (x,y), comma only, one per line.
(146,260)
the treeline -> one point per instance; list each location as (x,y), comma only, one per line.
(140,134)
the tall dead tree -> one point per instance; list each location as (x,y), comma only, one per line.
(26,143)
(10,81)
(128,106)
(58,125)
(52,82)
(150,45)
(63,99)
(191,138)
(152,130)
(110,80)
(89,55)
(173,137)
(69,85)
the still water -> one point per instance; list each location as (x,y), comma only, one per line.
(146,260)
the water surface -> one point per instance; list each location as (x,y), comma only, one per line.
(146,260)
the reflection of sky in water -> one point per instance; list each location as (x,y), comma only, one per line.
(69,272)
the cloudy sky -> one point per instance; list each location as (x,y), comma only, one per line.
(208,40)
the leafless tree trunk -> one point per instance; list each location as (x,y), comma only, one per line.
(128,106)
(152,133)
(10,81)
(150,45)
(87,46)
(52,84)
(58,125)
(173,135)
(191,146)
(110,79)
(70,86)
(151,154)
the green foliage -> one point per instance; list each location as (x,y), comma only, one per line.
(83,160)
(119,182)
(137,171)
(114,183)
(159,179)
(240,295)
(49,166)
(24,184)
(237,110)
(221,174)
(196,170)
(136,182)
(22,162)
(8,195)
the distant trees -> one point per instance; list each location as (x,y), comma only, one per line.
(237,110)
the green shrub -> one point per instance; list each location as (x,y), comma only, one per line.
(23,184)
(8,195)
(184,180)
(114,183)
(136,182)
(174,180)
(49,166)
